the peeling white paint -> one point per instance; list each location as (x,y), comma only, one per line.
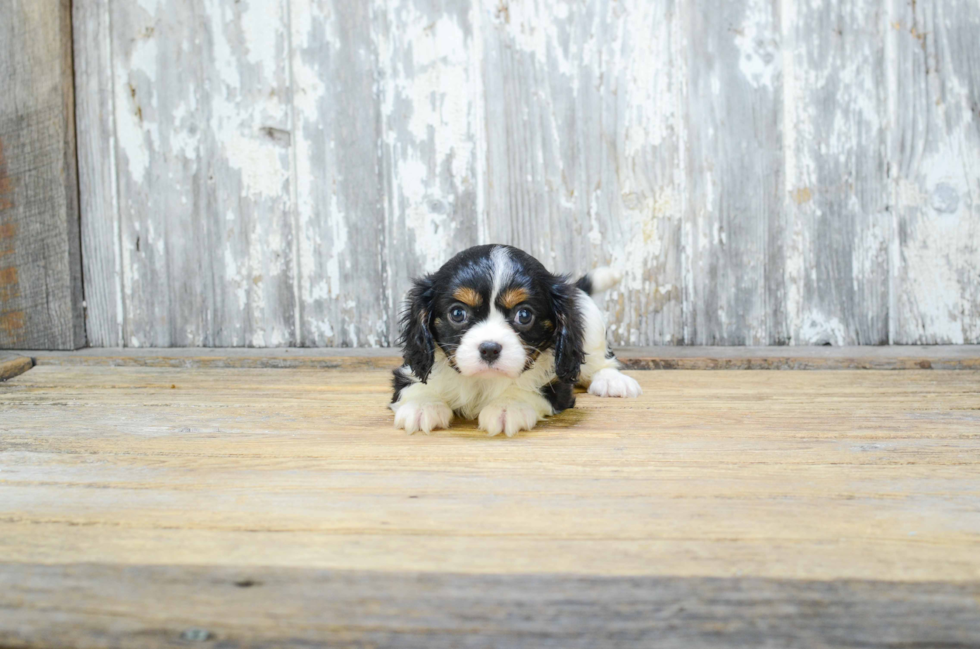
(937,255)
(533,28)
(149,6)
(263,175)
(757,40)
(138,130)
(428,78)
(339,243)
(261,38)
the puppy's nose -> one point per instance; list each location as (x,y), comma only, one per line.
(490,351)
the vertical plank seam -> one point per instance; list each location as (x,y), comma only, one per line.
(387,190)
(890,204)
(687,228)
(293,182)
(114,182)
(787,35)
(480,132)
(679,40)
(76,344)
(209,330)
(384,249)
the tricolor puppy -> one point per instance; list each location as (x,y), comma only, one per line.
(493,335)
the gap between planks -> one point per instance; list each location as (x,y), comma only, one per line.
(942,357)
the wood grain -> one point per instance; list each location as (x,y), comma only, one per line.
(11,365)
(107,605)
(783,475)
(828,266)
(431,137)
(934,168)
(340,216)
(97,173)
(203,116)
(735,144)
(40,267)
(586,137)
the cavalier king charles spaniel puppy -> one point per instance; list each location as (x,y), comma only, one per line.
(493,336)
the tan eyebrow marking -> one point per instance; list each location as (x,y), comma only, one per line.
(513,297)
(468,296)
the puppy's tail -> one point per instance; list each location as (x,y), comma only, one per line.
(599,280)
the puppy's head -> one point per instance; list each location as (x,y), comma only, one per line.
(493,310)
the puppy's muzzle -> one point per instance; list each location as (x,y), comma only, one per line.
(490,352)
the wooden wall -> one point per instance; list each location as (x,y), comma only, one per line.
(272,172)
(40,266)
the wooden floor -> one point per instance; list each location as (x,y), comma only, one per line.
(168,506)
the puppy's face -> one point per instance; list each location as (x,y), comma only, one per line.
(494,316)
(493,310)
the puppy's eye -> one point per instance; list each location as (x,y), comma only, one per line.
(524,316)
(457,314)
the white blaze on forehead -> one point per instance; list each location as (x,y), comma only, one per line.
(502,270)
(495,328)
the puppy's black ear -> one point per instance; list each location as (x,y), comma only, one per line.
(569,332)
(416,328)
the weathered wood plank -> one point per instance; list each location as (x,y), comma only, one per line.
(40,267)
(171,606)
(431,91)
(934,167)
(735,169)
(585,148)
(99,200)
(340,233)
(202,108)
(828,274)
(953,357)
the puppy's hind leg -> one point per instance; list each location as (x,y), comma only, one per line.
(610,382)
(600,371)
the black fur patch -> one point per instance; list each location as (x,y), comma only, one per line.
(585,283)
(400,382)
(569,336)
(416,328)
(610,353)
(560,395)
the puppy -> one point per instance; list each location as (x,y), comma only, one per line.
(492,335)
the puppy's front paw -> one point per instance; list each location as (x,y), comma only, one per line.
(613,383)
(427,416)
(508,418)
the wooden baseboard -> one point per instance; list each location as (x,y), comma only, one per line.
(947,357)
(903,357)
